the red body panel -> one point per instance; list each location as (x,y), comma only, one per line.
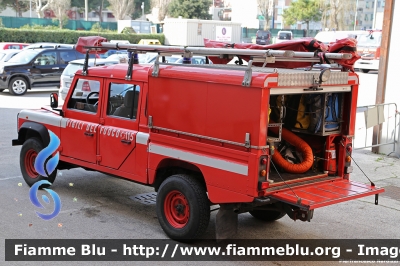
(324,194)
(199,120)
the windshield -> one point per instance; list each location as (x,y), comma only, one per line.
(366,40)
(24,56)
(71,69)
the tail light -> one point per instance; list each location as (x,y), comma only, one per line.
(347,160)
(86,86)
(263,167)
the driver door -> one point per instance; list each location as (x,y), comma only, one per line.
(80,134)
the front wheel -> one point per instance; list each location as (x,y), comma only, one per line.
(29,152)
(18,86)
(183,208)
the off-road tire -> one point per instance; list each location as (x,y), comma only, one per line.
(29,151)
(18,86)
(183,208)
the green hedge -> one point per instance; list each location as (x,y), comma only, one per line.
(67,36)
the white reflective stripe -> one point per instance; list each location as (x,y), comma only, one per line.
(241,169)
(64,122)
(44,117)
(270,79)
(353,78)
(142,138)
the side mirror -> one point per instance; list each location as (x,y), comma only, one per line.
(54,100)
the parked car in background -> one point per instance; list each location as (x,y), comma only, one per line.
(196,60)
(327,37)
(6,55)
(369,48)
(69,72)
(12,45)
(283,36)
(48,45)
(149,42)
(35,68)
(263,37)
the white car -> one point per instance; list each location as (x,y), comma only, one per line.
(6,55)
(69,72)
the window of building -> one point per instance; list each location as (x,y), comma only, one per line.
(366,17)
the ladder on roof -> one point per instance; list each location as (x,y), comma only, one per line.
(266,56)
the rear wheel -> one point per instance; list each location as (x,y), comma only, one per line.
(268,215)
(29,152)
(183,208)
(18,86)
(364,70)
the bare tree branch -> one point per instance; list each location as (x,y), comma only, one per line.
(121,8)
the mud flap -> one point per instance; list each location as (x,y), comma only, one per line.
(226,223)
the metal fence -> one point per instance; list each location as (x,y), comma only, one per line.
(386,117)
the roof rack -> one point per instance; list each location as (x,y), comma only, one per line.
(266,56)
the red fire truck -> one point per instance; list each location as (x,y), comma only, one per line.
(205,135)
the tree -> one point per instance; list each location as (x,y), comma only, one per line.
(60,8)
(41,6)
(190,8)
(121,8)
(96,6)
(137,13)
(337,14)
(302,11)
(265,6)
(162,8)
(18,5)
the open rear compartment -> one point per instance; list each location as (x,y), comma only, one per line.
(305,133)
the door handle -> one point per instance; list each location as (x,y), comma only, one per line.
(55,68)
(88,134)
(125,141)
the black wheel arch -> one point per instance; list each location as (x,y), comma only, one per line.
(33,129)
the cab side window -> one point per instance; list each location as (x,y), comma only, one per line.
(123,100)
(85,96)
(46,58)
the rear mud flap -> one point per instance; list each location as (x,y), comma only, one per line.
(226,222)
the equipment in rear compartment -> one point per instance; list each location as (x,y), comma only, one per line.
(303,113)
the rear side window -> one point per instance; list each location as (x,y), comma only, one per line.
(123,100)
(71,69)
(66,56)
(82,56)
